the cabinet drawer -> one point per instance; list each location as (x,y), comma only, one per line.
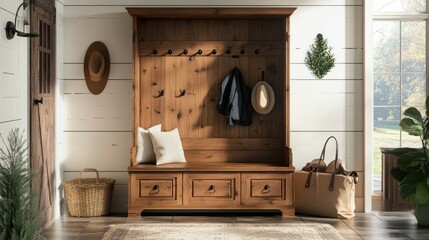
(269,188)
(266,187)
(156,189)
(211,189)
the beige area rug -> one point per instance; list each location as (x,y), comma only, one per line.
(221,231)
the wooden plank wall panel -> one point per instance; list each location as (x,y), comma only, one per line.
(305,141)
(210,3)
(109,111)
(118,71)
(209,119)
(111,29)
(345,38)
(13,76)
(105,151)
(146,74)
(308,146)
(335,105)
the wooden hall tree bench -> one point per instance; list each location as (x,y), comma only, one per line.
(228,167)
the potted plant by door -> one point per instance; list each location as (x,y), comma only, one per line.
(412,170)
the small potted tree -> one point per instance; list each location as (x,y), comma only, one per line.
(18,205)
(412,170)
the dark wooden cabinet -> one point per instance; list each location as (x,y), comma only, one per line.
(185,53)
(391,198)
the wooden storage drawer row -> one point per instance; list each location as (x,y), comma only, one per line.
(208,189)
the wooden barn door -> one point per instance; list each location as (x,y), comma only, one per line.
(42,129)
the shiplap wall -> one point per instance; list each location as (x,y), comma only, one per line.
(13,74)
(97,129)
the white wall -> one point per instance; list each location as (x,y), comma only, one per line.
(13,74)
(97,129)
(59,110)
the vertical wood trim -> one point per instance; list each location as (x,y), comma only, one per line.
(136,90)
(286,105)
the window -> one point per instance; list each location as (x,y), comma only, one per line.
(399,72)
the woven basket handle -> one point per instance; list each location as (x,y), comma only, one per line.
(90,170)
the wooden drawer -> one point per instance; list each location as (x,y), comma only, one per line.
(155,189)
(211,189)
(266,188)
(271,188)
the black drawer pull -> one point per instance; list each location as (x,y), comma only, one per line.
(155,188)
(266,189)
(212,188)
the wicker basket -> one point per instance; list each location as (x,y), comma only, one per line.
(89,197)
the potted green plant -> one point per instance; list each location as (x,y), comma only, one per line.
(412,170)
(18,202)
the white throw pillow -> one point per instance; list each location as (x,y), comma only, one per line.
(145,152)
(167,146)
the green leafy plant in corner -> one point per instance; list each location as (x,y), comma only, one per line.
(412,170)
(319,58)
(18,208)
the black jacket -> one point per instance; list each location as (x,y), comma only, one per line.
(235,99)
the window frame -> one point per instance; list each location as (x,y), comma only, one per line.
(369,17)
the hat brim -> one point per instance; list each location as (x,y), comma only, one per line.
(270,98)
(96,87)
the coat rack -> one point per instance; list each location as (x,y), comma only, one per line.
(210,48)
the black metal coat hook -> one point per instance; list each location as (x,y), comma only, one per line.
(160,94)
(154,51)
(185,51)
(200,52)
(213,52)
(257,51)
(169,51)
(243,51)
(182,93)
(228,51)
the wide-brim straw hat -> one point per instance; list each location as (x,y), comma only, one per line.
(96,67)
(263,97)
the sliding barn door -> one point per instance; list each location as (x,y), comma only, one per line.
(42,129)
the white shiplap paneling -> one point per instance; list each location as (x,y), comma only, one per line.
(326,105)
(13,72)
(117,71)
(113,30)
(340,71)
(341,26)
(109,111)
(105,151)
(307,146)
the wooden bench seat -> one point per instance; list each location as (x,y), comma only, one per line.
(211,167)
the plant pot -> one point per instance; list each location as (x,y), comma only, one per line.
(422,214)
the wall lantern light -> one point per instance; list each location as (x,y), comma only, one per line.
(11,26)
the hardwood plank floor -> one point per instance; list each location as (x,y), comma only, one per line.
(376,225)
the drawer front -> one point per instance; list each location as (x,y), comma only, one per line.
(267,189)
(155,189)
(223,188)
(211,189)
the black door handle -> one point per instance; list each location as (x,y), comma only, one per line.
(37,101)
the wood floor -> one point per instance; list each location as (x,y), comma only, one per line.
(377,225)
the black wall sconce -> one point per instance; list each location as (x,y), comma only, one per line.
(11,26)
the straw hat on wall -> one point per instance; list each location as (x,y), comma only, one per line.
(96,67)
(263,97)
